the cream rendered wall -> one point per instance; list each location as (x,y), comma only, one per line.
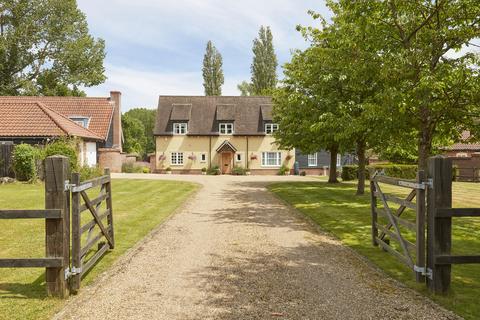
(196,145)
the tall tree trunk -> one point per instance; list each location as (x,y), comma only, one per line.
(424,140)
(332,177)
(361,146)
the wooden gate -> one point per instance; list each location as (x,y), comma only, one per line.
(95,231)
(394,226)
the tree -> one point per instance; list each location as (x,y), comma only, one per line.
(45,49)
(264,66)
(133,133)
(147,118)
(428,91)
(212,71)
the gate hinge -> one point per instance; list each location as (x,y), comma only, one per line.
(68,186)
(72,272)
(428,183)
(427,272)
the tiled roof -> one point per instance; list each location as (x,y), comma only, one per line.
(207,112)
(464,145)
(99,110)
(32,119)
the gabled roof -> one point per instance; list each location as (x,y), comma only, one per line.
(464,145)
(247,113)
(99,110)
(226,146)
(33,119)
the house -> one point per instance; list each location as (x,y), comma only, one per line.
(195,132)
(465,157)
(95,122)
(318,163)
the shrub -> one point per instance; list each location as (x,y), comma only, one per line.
(24,162)
(214,171)
(65,148)
(145,169)
(87,173)
(204,169)
(303,173)
(349,172)
(239,171)
(403,171)
(283,170)
(168,169)
(130,167)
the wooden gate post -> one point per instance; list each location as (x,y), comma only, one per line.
(373,204)
(57,231)
(439,230)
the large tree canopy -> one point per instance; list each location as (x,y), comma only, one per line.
(147,118)
(212,71)
(45,49)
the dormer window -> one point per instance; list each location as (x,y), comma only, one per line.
(180,128)
(225,128)
(270,128)
(81,121)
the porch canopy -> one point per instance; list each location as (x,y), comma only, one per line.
(226,146)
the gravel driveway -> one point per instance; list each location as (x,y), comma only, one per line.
(235,251)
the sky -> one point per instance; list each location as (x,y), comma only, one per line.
(156,47)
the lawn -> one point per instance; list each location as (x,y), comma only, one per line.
(337,210)
(139,206)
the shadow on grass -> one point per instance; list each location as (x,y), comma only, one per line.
(34,290)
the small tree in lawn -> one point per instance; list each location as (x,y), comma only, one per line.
(212,71)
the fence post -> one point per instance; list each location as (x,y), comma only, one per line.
(439,230)
(57,230)
(76,236)
(108,189)
(374,211)
(420,241)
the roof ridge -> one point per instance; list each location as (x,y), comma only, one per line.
(47,111)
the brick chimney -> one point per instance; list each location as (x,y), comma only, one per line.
(116,98)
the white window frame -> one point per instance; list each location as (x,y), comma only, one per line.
(203,155)
(277,159)
(238,157)
(180,128)
(177,158)
(270,128)
(312,160)
(339,160)
(226,128)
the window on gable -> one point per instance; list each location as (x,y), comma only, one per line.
(177,158)
(81,121)
(225,128)
(312,160)
(270,128)
(180,128)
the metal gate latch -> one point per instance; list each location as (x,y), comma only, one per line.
(72,272)
(428,273)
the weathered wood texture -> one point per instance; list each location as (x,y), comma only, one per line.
(57,230)
(6,150)
(31,214)
(420,232)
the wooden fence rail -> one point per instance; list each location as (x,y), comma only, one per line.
(59,194)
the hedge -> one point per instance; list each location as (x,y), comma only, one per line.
(24,162)
(403,171)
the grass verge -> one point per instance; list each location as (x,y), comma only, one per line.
(336,209)
(139,206)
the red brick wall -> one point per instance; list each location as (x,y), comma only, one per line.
(116,98)
(110,158)
(468,167)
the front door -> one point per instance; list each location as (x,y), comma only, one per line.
(226,163)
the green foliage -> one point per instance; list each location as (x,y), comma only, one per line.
(145,169)
(46,49)
(134,135)
(239,171)
(24,162)
(264,66)
(168,169)
(212,71)
(213,171)
(349,172)
(67,148)
(147,118)
(284,170)
(87,173)
(132,167)
(245,89)
(403,171)
(204,169)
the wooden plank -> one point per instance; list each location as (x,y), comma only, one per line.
(457,212)
(448,260)
(394,236)
(402,202)
(91,262)
(411,184)
(57,230)
(91,243)
(401,209)
(92,183)
(95,216)
(394,252)
(92,222)
(108,189)
(420,232)
(32,263)
(394,220)
(405,223)
(439,230)
(31,214)
(76,235)
(373,205)
(98,200)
